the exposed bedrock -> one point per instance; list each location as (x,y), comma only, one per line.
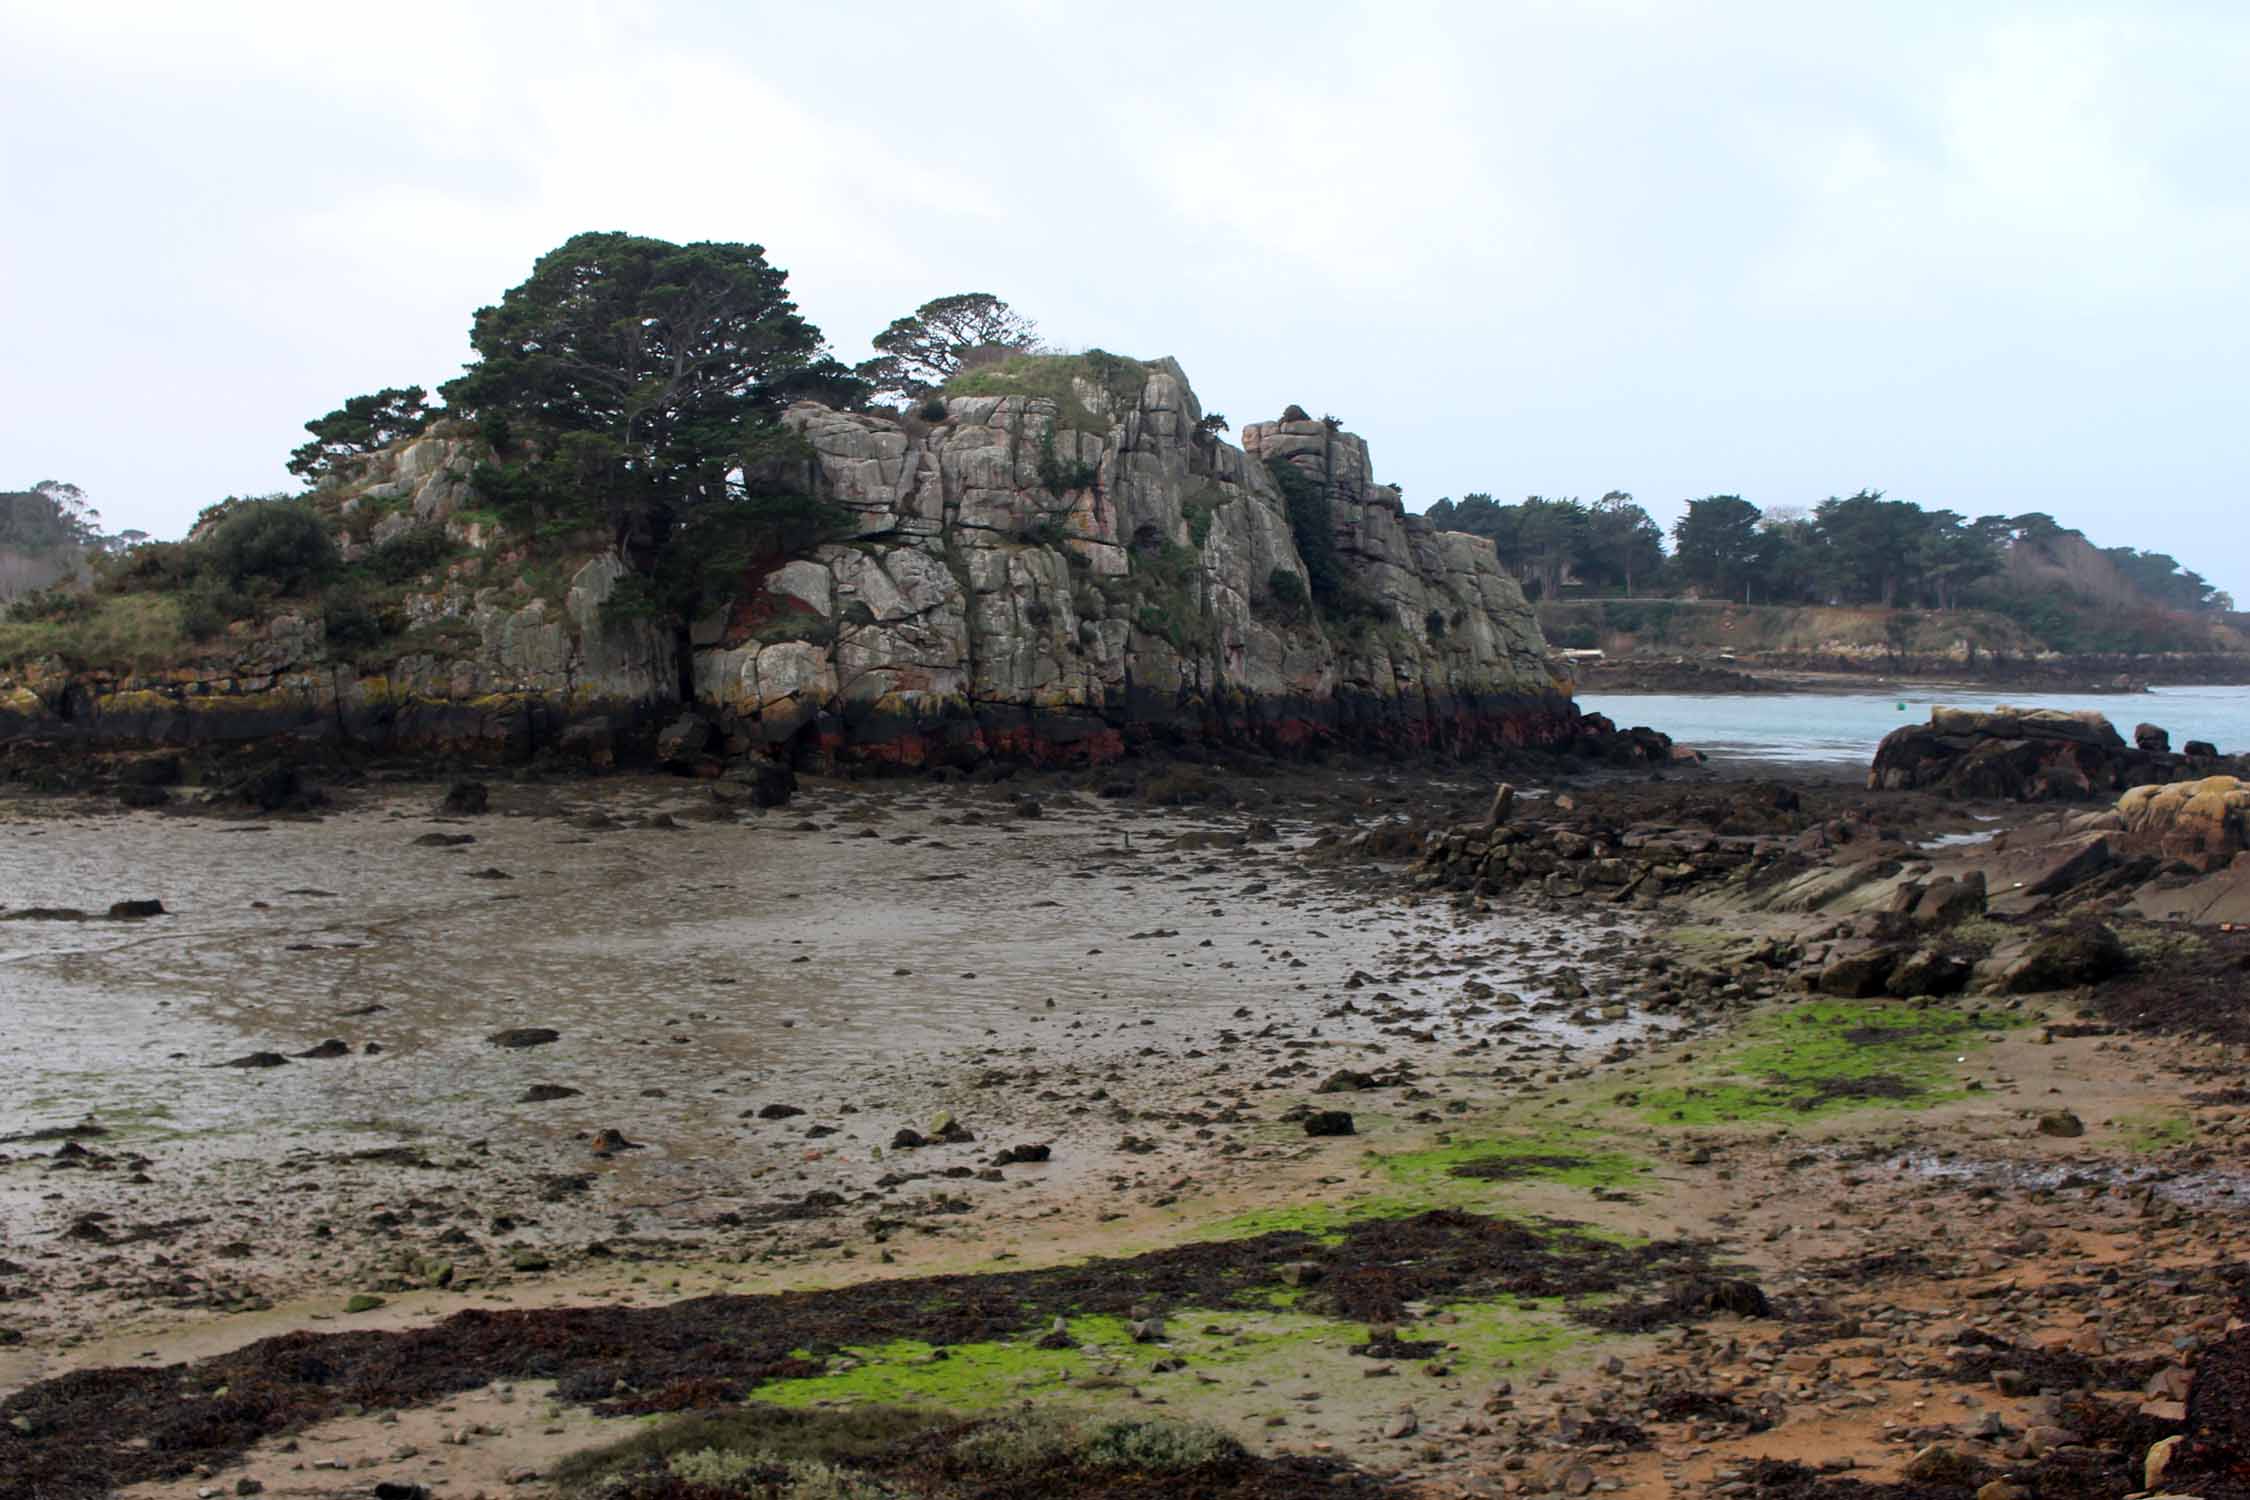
(1055,581)
(2036,755)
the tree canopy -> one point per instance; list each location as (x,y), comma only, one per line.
(1717,543)
(359,427)
(634,381)
(50,517)
(1862,548)
(918,353)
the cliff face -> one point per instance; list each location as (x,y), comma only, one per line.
(1052,577)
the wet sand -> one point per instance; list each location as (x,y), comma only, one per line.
(1086,979)
(1892,1240)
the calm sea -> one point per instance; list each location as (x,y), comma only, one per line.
(1827,727)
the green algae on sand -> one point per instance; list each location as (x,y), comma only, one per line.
(1824,1056)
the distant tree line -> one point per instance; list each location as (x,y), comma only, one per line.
(1611,543)
(1856,549)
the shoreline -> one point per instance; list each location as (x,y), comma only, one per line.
(1414,993)
(1654,677)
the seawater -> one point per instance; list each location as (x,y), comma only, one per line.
(1800,728)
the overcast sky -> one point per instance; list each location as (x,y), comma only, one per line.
(1989,257)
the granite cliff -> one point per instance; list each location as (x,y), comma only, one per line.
(1052,577)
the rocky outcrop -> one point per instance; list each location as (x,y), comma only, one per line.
(2031,755)
(2204,823)
(1054,577)
(1061,579)
(506,673)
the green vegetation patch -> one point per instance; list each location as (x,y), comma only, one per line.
(1460,1174)
(119,632)
(1326,1223)
(897,1452)
(982,1375)
(1053,377)
(2155,1131)
(985,1376)
(1826,1056)
(1564,1157)
(966,1377)
(779,1435)
(715,1350)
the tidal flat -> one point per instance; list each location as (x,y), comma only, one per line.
(626,1098)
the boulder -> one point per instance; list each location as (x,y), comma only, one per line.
(1949,901)
(2084,953)
(2149,737)
(685,737)
(2023,873)
(2200,823)
(1858,976)
(1930,971)
(2025,755)
(772,784)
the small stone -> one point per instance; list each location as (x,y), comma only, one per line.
(610,1142)
(2159,1459)
(1938,1464)
(2061,1123)
(1404,1425)
(525,1036)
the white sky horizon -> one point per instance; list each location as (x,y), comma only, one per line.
(1987,258)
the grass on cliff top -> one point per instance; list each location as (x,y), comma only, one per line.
(120,632)
(1053,376)
(1825,1056)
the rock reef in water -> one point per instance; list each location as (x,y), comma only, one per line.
(1048,578)
(2035,755)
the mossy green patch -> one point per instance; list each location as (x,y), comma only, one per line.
(1569,1158)
(1459,1174)
(1325,1222)
(2155,1132)
(978,1376)
(1825,1056)
(1511,1336)
(983,1376)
